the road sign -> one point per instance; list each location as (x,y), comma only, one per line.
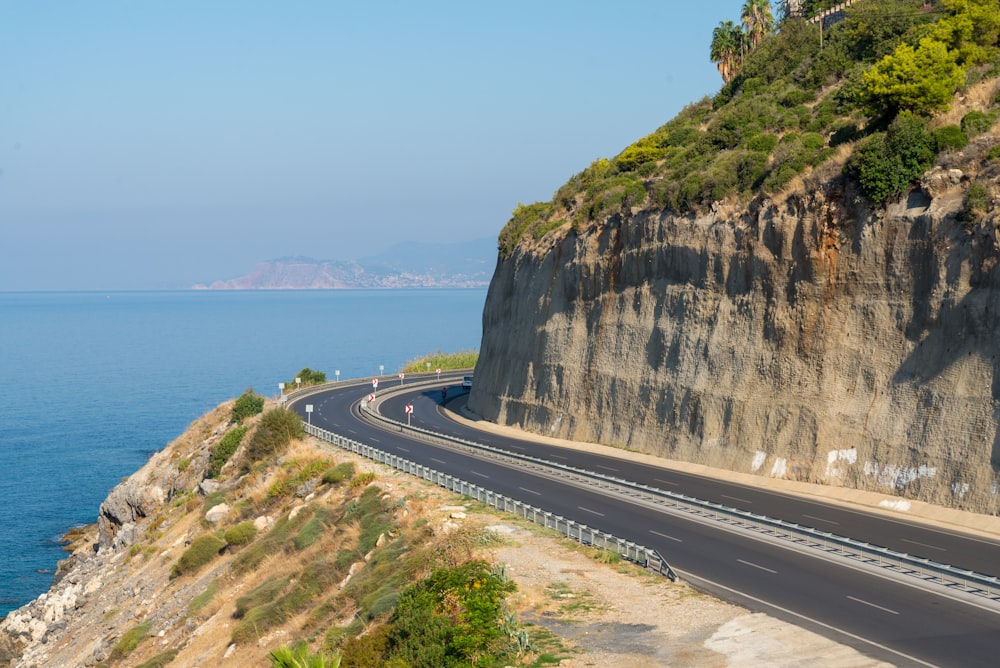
(371,398)
(409,408)
(374,382)
(439,374)
(400,377)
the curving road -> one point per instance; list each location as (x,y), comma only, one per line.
(881,617)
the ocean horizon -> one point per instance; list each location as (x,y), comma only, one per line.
(95,382)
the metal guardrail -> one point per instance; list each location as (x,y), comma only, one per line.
(932,572)
(639,554)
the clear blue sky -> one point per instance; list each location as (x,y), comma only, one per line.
(151,145)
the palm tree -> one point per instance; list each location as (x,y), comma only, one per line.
(759,21)
(726,50)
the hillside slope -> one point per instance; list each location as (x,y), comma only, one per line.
(119,600)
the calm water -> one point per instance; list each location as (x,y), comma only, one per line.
(91,384)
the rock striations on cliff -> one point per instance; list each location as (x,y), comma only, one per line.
(805,335)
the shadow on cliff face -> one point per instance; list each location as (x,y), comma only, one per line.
(954,330)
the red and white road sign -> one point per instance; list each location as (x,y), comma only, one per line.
(409,408)
(401,375)
(371,398)
(374,382)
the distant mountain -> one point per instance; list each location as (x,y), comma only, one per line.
(413,265)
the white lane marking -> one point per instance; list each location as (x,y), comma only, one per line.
(591,511)
(663,535)
(750,563)
(375,440)
(516,447)
(819,519)
(811,620)
(736,498)
(873,605)
(666,482)
(558,457)
(606,468)
(481,475)
(933,547)
(399,447)
(439,461)
(530,491)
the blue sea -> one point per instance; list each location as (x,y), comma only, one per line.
(92,384)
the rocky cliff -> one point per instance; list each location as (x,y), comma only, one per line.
(804,336)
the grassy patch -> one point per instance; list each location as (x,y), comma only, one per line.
(549,648)
(463,359)
(160,660)
(241,534)
(264,593)
(338,474)
(202,550)
(130,640)
(202,599)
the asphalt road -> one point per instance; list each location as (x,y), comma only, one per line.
(881,617)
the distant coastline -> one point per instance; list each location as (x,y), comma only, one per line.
(459,265)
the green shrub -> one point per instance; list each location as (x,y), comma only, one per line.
(994,153)
(977,202)
(796,96)
(306,377)
(813,141)
(277,428)
(202,550)
(977,122)
(338,474)
(885,163)
(224,449)
(456,616)
(130,640)
(241,534)
(949,137)
(182,464)
(247,405)
(764,142)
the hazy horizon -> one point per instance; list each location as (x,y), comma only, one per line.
(159,146)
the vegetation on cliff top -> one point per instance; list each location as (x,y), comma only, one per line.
(872,83)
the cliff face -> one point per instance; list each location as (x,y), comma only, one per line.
(807,337)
